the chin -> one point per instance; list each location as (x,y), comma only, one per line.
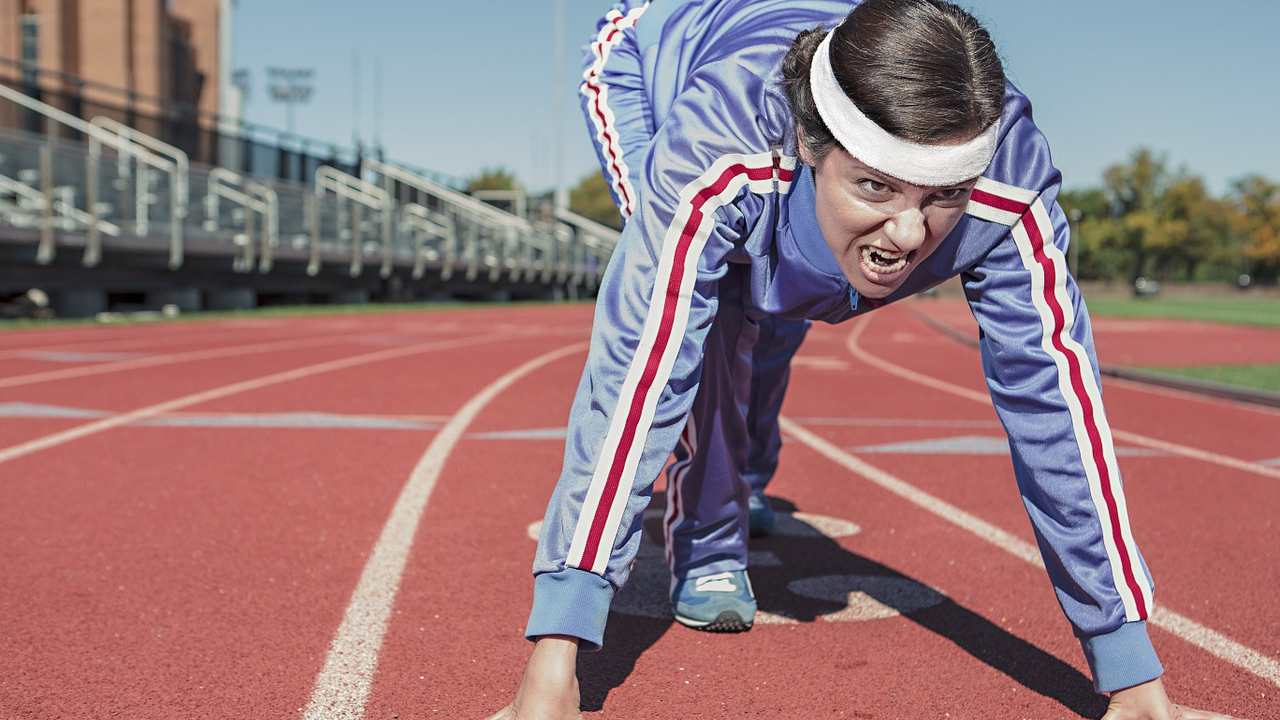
(868,289)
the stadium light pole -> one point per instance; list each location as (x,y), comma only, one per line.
(557,97)
(291,86)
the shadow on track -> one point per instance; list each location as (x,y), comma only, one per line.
(812,583)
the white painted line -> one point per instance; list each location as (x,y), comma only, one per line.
(1180,626)
(156,360)
(42,443)
(855,349)
(343,685)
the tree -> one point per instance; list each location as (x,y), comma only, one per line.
(492,179)
(1256,202)
(1135,189)
(591,199)
(1094,234)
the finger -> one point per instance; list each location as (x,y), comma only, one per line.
(506,713)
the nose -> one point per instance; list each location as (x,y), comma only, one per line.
(906,230)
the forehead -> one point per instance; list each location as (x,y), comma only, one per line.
(848,164)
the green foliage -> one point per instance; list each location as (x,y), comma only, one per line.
(1253,377)
(591,199)
(1147,219)
(492,179)
(1256,203)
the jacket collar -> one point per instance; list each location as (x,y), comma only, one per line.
(802,213)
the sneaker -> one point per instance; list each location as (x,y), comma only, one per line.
(760,516)
(716,603)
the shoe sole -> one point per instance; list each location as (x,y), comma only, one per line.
(726,622)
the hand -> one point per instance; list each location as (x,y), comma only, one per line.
(549,688)
(1149,701)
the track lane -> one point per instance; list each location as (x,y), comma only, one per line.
(211,563)
(997,662)
(1133,413)
(452,647)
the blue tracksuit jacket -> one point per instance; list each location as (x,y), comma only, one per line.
(715,190)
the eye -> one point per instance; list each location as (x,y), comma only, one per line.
(874,188)
(950,194)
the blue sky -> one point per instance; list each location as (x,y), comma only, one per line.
(468,85)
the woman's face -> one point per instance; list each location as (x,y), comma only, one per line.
(881,228)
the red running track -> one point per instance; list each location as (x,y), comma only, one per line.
(162,569)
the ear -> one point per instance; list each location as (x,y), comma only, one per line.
(802,145)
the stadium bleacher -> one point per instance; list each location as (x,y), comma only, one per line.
(96,212)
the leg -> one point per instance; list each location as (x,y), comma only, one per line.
(705,525)
(778,341)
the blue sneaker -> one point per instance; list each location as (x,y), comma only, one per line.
(760,516)
(722,602)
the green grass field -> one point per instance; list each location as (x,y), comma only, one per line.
(273,311)
(1242,310)
(1255,377)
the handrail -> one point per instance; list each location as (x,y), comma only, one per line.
(256,197)
(596,238)
(98,135)
(222,183)
(67,209)
(179,187)
(448,194)
(271,238)
(345,185)
(422,218)
(592,227)
(180,158)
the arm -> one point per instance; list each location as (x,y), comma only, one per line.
(657,301)
(1038,356)
(619,118)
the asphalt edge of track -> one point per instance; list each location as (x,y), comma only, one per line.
(1199,387)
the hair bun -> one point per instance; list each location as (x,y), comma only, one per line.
(795,66)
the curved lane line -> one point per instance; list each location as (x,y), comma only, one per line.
(343,684)
(42,443)
(856,349)
(1181,626)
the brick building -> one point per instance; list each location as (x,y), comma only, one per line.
(147,55)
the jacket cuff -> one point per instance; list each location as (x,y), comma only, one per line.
(570,602)
(1122,658)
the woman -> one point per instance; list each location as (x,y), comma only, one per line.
(769,170)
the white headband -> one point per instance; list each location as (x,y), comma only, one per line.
(917,164)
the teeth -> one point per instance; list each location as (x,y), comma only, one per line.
(884,261)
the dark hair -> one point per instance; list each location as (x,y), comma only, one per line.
(924,70)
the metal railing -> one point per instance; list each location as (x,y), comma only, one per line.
(595,242)
(358,193)
(179,188)
(53,181)
(93,223)
(251,197)
(425,224)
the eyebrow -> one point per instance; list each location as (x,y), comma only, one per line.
(896,183)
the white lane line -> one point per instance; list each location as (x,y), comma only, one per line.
(343,685)
(156,360)
(1206,639)
(855,349)
(95,345)
(43,443)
